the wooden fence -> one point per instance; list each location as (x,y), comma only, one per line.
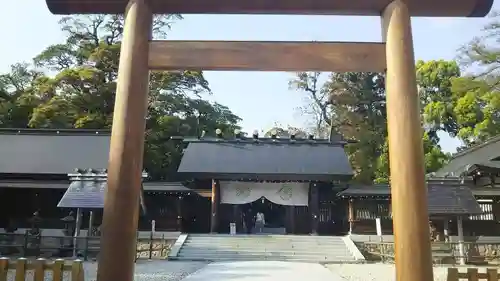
(476,253)
(25,245)
(472,274)
(39,268)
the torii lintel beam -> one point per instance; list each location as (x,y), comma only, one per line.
(267,56)
(418,8)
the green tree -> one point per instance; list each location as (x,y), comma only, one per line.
(434,159)
(354,104)
(476,96)
(77,83)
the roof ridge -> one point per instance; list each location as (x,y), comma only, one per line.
(489,141)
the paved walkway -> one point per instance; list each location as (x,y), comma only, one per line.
(263,271)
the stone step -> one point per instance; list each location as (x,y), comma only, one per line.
(267,240)
(235,242)
(257,254)
(268,252)
(273,238)
(278,236)
(264,247)
(238,254)
(257,258)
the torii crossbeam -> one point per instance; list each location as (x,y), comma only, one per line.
(395,55)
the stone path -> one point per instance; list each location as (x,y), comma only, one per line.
(263,271)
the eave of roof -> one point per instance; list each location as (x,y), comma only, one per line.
(55,132)
(489,141)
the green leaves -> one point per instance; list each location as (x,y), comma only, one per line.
(78,85)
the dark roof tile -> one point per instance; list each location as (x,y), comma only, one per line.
(30,153)
(84,194)
(278,161)
(442,198)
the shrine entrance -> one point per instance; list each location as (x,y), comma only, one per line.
(274,216)
(277,201)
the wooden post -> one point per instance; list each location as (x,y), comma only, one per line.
(21,270)
(58,270)
(91,223)
(314,208)
(78,225)
(179,212)
(39,274)
(461,246)
(121,208)
(77,273)
(408,188)
(237,216)
(214,219)
(350,209)
(446,229)
(4,268)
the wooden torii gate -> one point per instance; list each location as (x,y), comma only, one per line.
(394,55)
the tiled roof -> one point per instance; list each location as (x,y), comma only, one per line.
(442,198)
(87,191)
(52,151)
(84,194)
(266,160)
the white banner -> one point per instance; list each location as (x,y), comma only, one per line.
(287,193)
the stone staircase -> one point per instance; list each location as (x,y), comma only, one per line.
(221,247)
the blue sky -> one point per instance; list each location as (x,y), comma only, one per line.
(261,99)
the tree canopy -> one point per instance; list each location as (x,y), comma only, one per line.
(72,85)
(460,98)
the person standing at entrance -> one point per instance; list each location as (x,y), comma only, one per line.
(260,221)
(248,217)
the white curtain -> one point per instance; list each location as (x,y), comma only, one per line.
(289,194)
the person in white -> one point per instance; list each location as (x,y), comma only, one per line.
(260,221)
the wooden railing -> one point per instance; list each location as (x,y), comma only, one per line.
(25,245)
(39,266)
(443,252)
(472,274)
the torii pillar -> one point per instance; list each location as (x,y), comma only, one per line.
(138,55)
(412,247)
(121,208)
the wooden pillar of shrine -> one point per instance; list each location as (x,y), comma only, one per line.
(214,218)
(237,218)
(408,188)
(351,216)
(314,208)
(290,216)
(179,207)
(121,206)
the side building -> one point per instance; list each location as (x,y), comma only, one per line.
(35,169)
(472,172)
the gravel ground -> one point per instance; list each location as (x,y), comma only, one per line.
(144,271)
(376,272)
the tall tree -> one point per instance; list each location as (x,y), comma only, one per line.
(76,84)
(477,94)
(354,104)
